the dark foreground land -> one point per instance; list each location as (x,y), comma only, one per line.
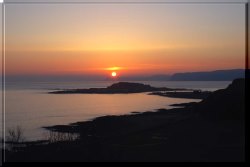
(212,130)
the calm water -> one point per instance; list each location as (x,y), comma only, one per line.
(29,105)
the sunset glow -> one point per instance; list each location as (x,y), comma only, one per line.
(134,39)
(113,68)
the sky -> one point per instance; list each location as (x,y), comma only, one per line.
(131,39)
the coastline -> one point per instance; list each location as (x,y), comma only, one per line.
(210,130)
(78,126)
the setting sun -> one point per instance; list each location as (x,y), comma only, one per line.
(113,74)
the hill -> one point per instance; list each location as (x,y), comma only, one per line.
(218,75)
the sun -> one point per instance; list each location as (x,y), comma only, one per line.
(113,74)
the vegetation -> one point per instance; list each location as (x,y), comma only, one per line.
(53,137)
(15,135)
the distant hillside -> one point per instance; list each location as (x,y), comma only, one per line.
(160,77)
(219,75)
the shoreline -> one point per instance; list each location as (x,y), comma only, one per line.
(195,94)
(208,131)
(76,126)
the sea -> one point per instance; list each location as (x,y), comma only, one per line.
(28,104)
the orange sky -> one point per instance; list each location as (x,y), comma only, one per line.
(139,39)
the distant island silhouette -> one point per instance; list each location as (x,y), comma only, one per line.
(217,75)
(212,130)
(130,87)
(121,87)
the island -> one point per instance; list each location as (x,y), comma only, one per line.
(130,87)
(117,88)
